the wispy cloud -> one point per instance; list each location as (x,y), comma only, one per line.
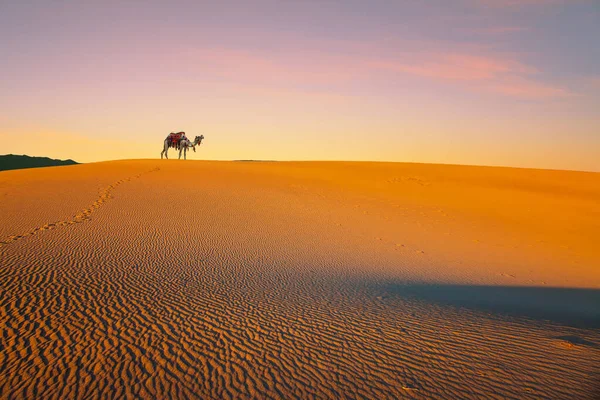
(498,30)
(595,81)
(272,68)
(471,70)
(456,66)
(517,3)
(491,73)
(525,88)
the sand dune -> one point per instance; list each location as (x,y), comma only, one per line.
(165,278)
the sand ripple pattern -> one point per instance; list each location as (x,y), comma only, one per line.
(225,286)
(82,216)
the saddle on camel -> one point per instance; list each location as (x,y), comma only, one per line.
(180,142)
(175,139)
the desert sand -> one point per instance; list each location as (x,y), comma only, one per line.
(194,279)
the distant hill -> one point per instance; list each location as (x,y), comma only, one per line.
(11,161)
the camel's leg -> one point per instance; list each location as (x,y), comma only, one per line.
(180,149)
(165,150)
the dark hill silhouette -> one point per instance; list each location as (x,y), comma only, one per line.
(11,161)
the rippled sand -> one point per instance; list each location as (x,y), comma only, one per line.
(193,279)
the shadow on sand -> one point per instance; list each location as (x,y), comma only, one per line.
(578,308)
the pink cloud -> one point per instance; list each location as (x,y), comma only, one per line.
(497,74)
(456,66)
(499,30)
(595,81)
(273,68)
(517,3)
(316,71)
(526,88)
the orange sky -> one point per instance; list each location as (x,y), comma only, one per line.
(493,82)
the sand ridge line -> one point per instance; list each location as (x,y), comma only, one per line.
(256,293)
(105,194)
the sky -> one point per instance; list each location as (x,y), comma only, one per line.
(485,82)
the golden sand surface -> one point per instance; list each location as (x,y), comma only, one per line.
(196,279)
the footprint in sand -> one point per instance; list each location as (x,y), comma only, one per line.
(81,216)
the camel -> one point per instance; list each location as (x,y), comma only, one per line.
(181,144)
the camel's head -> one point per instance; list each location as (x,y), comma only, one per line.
(197,141)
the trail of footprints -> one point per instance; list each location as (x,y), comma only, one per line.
(185,311)
(84,215)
